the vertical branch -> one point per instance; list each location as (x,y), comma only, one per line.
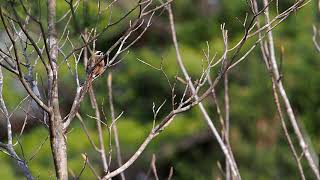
(265,56)
(208,120)
(95,106)
(274,68)
(114,126)
(4,110)
(99,128)
(284,127)
(227,119)
(9,146)
(58,142)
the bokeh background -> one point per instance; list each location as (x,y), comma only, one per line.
(257,140)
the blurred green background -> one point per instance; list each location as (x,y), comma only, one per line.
(257,138)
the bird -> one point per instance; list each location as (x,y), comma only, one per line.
(97,64)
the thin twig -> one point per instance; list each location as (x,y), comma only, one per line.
(114,126)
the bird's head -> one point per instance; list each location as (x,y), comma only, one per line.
(98,53)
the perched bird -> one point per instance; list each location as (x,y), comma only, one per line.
(97,64)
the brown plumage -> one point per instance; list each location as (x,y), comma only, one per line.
(97,69)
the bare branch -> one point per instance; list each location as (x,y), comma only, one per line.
(8,148)
(276,75)
(203,110)
(114,126)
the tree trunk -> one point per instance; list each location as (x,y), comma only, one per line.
(57,140)
(58,147)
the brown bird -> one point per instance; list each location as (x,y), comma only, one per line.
(97,64)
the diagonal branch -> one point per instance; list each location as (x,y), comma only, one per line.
(208,120)
(276,75)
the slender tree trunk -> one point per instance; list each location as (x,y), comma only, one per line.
(58,147)
(58,142)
